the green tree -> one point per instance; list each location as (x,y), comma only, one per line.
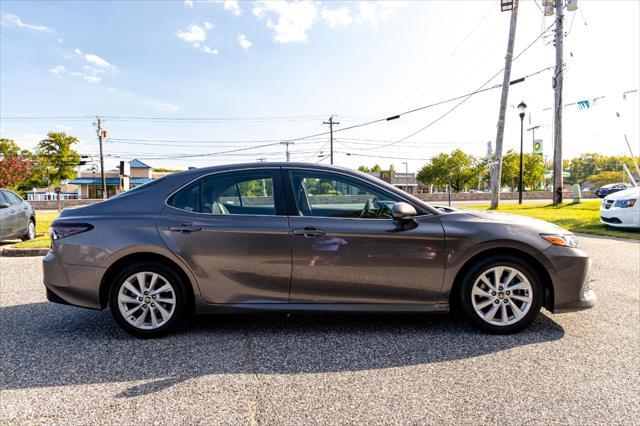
(459,167)
(8,148)
(376,168)
(604,178)
(364,169)
(510,169)
(533,170)
(55,159)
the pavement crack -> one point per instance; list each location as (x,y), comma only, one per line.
(254,401)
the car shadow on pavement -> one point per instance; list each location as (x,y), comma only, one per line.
(44,344)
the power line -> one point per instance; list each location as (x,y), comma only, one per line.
(491,7)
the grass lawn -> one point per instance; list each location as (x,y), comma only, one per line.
(583,217)
(43,221)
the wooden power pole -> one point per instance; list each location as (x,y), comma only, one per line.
(101,133)
(557,106)
(497,166)
(331,123)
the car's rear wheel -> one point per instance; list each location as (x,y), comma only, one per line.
(501,295)
(30,234)
(148,299)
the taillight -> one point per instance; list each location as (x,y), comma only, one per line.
(65,229)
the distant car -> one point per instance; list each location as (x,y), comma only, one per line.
(622,209)
(605,190)
(17,219)
(305,237)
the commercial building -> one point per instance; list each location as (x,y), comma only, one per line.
(89,182)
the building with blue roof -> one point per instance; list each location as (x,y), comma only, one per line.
(89,182)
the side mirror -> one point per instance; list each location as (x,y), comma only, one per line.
(403,211)
(4,205)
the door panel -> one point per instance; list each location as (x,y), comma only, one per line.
(346,248)
(366,261)
(236,259)
(12,223)
(231,231)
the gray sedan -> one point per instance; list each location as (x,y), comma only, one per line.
(301,237)
(17,219)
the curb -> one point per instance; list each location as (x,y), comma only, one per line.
(23,252)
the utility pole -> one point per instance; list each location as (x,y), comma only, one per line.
(497,167)
(557,106)
(100,134)
(533,136)
(286,144)
(331,123)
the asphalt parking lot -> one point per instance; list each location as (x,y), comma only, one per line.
(66,365)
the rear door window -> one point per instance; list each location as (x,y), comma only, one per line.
(12,198)
(240,193)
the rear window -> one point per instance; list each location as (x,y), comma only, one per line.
(188,198)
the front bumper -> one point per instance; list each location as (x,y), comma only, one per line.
(621,217)
(76,285)
(570,278)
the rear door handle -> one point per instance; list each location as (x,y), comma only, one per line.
(309,232)
(185,227)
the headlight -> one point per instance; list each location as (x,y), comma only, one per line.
(626,203)
(564,240)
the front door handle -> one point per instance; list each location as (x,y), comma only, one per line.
(185,227)
(309,232)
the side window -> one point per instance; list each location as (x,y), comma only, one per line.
(330,195)
(238,193)
(187,198)
(12,198)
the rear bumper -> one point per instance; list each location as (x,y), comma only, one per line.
(75,285)
(570,277)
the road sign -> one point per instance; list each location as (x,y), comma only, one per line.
(537,146)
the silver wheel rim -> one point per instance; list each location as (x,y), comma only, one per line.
(502,295)
(147,300)
(31,230)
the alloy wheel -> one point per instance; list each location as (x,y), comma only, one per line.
(502,295)
(31,230)
(147,300)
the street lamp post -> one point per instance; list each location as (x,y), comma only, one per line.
(522,107)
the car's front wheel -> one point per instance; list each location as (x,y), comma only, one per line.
(501,295)
(147,299)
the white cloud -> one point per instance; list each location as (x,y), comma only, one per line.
(244,42)
(188,3)
(232,6)
(60,40)
(97,60)
(292,19)
(374,13)
(210,51)
(337,18)
(15,21)
(92,78)
(58,69)
(166,107)
(197,34)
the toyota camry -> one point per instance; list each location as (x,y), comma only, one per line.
(301,237)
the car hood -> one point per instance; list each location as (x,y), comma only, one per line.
(626,193)
(532,224)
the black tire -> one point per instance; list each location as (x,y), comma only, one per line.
(181,308)
(474,273)
(30,234)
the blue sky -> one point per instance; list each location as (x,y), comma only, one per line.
(296,63)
